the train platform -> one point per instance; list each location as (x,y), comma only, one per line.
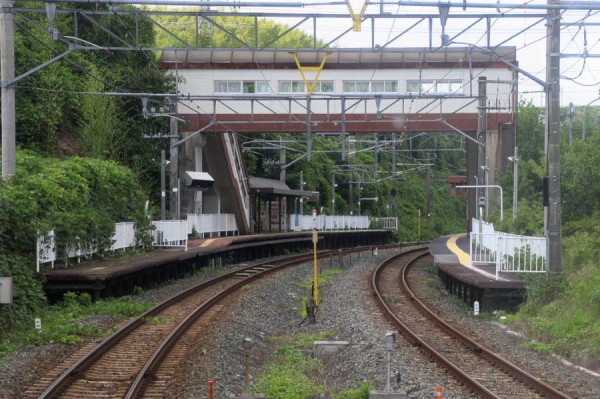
(118,276)
(474,282)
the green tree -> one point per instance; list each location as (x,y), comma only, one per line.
(101,135)
(55,116)
(228,32)
(530,131)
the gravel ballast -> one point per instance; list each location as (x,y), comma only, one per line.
(270,308)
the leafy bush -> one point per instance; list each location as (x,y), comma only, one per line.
(562,313)
(286,377)
(361,392)
(80,198)
(28,295)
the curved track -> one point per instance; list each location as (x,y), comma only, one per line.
(139,358)
(481,370)
(125,364)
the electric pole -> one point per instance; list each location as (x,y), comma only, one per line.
(7,74)
(554,250)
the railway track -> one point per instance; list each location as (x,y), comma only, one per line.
(141,357)
(134,360)
(481,370)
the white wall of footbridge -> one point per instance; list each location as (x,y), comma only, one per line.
(199,86)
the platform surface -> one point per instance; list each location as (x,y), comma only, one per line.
(99,270)
(451,254)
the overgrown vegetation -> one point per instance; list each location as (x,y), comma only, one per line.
(291,374)
(562,312)
(81,199)
(61,118)
(65,322)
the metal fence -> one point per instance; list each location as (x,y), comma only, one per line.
(170,233)
(305,222)
(124,237)
(385,223)
(509,252)
(210,224)
(174,233)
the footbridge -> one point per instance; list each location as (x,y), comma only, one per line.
(399,92)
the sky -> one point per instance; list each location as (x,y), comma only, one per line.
(580,76)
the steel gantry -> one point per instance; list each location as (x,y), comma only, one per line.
(318,16)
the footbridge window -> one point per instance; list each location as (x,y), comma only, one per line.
(373,86)
(434,86)
(241,86)
(298,86)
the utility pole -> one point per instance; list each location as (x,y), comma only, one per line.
(301,188)
(162,185)
(482,132)
(554,250)
(282,160)
(174,163)
(429,181)
(7,74)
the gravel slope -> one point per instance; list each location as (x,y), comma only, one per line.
(270,308)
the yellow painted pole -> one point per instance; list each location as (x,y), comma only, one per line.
(315,268)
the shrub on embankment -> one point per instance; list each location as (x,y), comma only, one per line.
(562,312)
(80,198)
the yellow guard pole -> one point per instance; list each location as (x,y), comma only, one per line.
(315,268)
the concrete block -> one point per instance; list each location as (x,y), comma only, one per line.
(386,395)
(6,289)
(324,348)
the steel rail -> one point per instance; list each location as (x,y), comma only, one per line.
(67,377)
(63,381)
(478,388)
(148,371)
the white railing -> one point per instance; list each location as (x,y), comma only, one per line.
(509,252)
(212,224)
(124,237)
(45,249)
(305,222)
(174,233)
(170,233)
(386,223)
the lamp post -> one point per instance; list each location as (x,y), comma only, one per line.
(515,160)
(162,185)
(301,188)
(333,186)
(486,171)
(490,186)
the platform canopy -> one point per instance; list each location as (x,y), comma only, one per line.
(270,188)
